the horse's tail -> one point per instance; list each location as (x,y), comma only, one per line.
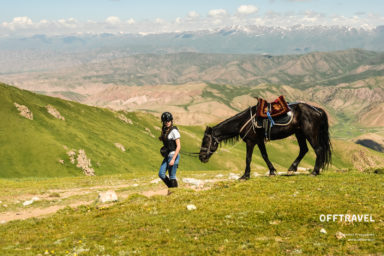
(324,140)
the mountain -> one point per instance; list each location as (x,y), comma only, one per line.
(43,53)
(55,137)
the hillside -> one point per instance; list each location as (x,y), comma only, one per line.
(44,146)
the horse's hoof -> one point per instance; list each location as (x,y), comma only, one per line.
(244,177)
(314,173)
(272,174)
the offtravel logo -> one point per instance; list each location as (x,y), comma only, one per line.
(346,218)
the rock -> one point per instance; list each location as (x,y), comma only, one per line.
(135,185)
(108,196)
(155,181)
(124,119)
(340,235)
(191,207)
(24,111)
(148,131)
(72,155)
(29,202)
(323,231)
(84,163)
(119,146)
(195,182)
(233,176)
(53,111)
(61,161)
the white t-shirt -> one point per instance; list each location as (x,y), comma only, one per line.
(173,135)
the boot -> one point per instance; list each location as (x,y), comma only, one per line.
(173,183)
(167,181)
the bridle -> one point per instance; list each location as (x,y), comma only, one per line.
(211,139)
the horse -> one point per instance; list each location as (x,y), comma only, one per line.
(308,123)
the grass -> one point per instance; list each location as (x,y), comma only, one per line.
(264,216)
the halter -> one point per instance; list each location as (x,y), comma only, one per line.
(211,138)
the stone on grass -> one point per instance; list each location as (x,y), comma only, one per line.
(54,112)
(24,111)
(84,163)
(323,231)
(340,235)
(155,181)
(29,202)
(108,196)
(120,146)
(195,182)
(191,207)
(233,176)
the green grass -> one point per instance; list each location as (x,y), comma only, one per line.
(263,216)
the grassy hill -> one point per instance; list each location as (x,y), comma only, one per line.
(40,147)
(262,216)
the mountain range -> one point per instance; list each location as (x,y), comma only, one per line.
(43,52)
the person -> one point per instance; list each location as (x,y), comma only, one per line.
(170,137)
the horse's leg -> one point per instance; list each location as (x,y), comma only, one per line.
(247,172)
(303,150)
(317,148)
(263,151)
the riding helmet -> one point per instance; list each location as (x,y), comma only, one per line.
(166,117)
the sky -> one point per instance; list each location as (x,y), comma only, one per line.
(153,16)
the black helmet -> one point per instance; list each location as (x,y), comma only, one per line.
(166,117)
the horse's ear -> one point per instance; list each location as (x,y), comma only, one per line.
(208,130)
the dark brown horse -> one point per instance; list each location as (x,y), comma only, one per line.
(308,123)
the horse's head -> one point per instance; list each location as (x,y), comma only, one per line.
(209,145)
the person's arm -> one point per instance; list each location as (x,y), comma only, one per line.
(178,146)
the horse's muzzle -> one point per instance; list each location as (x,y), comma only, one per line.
(203,158)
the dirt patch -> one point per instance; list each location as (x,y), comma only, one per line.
(54,112)
(24,111)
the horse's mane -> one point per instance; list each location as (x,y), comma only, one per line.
(233,138)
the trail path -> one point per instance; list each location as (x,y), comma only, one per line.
(56,199)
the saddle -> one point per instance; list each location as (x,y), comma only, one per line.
(277,108)
(271,114)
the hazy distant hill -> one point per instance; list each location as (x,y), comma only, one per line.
(300,71)
(42,52)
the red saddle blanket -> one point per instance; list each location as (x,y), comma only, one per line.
(277,108)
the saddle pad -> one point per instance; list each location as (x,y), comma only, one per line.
(278,107)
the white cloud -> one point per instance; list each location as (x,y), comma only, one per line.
(131,21)
(193,15)
(217,12)
(18,23)
(159,21)
(113,20)
(247,9)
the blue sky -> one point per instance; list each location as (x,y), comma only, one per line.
(140,15)
(99,10)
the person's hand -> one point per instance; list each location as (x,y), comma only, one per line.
(172,162)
